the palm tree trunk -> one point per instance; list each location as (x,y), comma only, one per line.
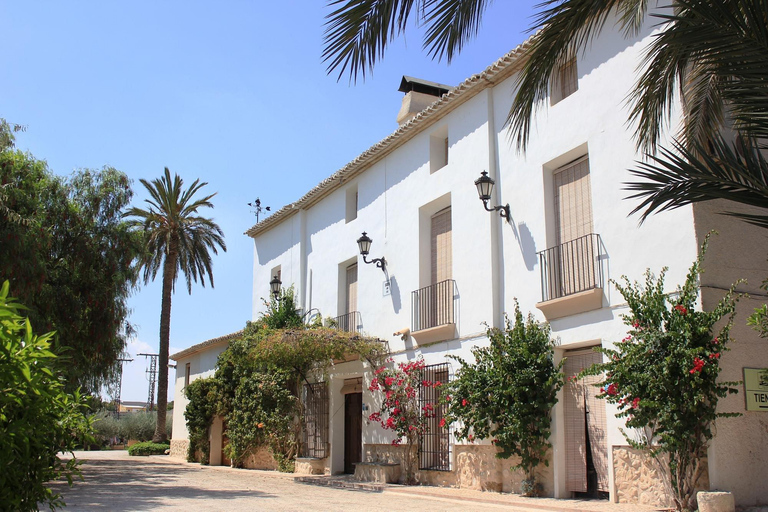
(165,337)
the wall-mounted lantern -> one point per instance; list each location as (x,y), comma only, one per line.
(364,243)
(274,285)
(484,186)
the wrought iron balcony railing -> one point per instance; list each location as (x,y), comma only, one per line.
(571,267)
(433,306)
(351,322)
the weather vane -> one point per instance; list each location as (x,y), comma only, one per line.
(257,209)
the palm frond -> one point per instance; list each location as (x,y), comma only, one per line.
(451,24)
(171,226)
(358,31)
(735,171)
(720,44)
(565,28)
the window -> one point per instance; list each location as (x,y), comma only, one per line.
(349,318)
(352,203)
(438,149)
(565,82)
(571,265)
(187,373)
(315,420)
(435,443)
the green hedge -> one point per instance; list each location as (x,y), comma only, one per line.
(148,448)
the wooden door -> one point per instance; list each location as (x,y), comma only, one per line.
(353,431)
(586,444)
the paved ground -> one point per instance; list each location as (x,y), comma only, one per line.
(116,482)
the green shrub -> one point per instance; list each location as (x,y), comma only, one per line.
(38,419)
(508,394)
(148,448)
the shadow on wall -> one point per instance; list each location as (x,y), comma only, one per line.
(527,244)
(394,291)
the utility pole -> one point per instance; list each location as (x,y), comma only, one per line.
(152,379)
(120,383)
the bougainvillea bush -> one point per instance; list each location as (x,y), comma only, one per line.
(508,394)
(663,376)
(400,412)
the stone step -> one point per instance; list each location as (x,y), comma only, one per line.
(340,483)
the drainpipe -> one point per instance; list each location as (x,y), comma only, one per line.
(303,284)
(497,223)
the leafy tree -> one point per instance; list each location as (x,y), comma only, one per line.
(713,53)
(177,239)
(199,414)
(508,394)
(38,418)
(69,255)
(663,377)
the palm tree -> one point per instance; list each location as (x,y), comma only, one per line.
(713,53)
(176,239)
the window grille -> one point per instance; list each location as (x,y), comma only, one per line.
(435,443)
(315,420)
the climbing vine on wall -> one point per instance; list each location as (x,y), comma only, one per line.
(258,379)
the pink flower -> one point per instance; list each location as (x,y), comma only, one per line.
(681,309)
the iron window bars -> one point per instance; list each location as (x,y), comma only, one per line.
(435,443)
(315,420)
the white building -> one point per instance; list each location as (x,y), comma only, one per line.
(452,267)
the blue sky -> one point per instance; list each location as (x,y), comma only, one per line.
(232,92)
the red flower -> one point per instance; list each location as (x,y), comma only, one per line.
(375,417)
(698,365)
(627,339)
(437,383)
(612,389)
(448,398)
(464,402)
(390,422)
(716,341)
(426,383)
(442,423)
(635,324)
(635,403)
(716,355)
(471,438)
(395,411)
(388,381)
(681,309)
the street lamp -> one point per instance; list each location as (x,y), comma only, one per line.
(484,186)
(364,243)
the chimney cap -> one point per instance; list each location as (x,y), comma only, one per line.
(409,83)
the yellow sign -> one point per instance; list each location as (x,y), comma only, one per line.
(756,388)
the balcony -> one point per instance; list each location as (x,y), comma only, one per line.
(351,322)
(433,312)
(571,277)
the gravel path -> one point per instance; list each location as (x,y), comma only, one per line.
(116,482)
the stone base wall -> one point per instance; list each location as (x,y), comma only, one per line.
(311,466)
(260,459)
(638,479)
(179,448)
(474,467)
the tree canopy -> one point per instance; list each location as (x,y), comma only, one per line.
(68,256)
